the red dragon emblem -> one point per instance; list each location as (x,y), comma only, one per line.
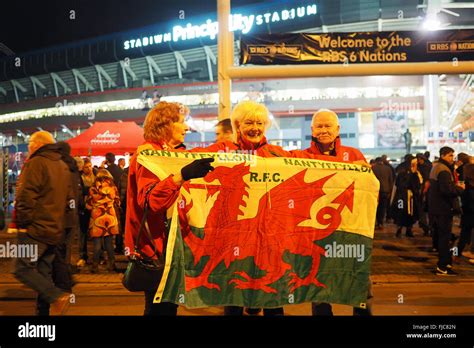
(273,231)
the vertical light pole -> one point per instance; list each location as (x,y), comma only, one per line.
(225,58)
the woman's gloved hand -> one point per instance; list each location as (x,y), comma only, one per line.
(197,169)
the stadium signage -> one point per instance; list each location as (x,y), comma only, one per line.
(209,29)
(358,47)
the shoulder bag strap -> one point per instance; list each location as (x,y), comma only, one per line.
(144,224)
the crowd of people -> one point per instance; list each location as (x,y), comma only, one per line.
(101,210)
(57,192)
(431,194)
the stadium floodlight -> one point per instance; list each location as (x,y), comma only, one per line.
(431,23)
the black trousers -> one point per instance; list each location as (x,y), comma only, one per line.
(61,272)
(382,207)
(84,220)
(442,225)
(238,311)
(465,237)
(161,309)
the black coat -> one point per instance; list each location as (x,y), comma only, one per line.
(116,173)
(384,174)
(406,204)
(442,193)
(467,199)
(75,198)
(425,170)
(42,201)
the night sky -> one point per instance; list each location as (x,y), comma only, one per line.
(26,25)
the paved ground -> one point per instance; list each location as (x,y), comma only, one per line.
(402,273)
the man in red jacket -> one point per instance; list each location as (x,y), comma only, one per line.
(326,141)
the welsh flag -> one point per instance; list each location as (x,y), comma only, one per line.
(267,232)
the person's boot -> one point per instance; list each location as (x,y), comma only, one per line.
(409,233)
(111,266)
(399,232)
(95,268)
(60,306)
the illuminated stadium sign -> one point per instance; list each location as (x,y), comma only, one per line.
(209,29)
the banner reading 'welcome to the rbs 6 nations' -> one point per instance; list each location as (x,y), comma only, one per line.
(358,47)
(267,232)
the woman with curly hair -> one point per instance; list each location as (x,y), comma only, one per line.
(164,129)
(103,225)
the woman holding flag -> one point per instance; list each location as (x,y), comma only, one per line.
(164,129)
(250,121)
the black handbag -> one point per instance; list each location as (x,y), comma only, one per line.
(144,273)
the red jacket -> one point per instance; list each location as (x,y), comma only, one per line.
(263,149)
(161,198)
(341,153)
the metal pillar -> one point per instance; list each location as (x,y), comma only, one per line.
(4,169)
(225,55)
(431,102)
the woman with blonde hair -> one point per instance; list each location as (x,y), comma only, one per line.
(103,225)
(164,129)
(250,121)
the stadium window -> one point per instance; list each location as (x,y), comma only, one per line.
(352,135)
(343,135)
(342,115)
(308,137)
(351,115)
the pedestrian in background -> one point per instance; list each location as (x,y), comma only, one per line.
(224,130)
(424,167)
(61,270)
(467,217)
(442,206)
(386,179)
(103,225)
(41,205)
(406,202)
(87,180)
(116,173)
